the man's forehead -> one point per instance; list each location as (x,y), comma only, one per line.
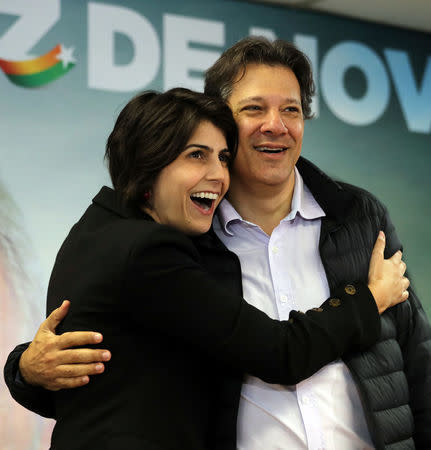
(260,80)
(257,66)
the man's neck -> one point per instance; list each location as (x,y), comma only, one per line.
(262,205)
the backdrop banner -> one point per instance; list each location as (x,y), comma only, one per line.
(68,67)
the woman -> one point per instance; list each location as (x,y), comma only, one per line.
(136,269)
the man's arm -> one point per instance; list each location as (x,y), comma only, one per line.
(31,397)
(414,332)
(415,343)
(50,363)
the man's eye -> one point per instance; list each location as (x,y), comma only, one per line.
(252,108)
(292,109)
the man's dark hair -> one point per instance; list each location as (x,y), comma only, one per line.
(151,132)
(232,64)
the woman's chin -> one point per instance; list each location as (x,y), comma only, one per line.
(196,227)
(196,231)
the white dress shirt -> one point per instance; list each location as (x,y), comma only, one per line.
(282,272)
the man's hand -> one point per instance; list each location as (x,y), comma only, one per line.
(49,361)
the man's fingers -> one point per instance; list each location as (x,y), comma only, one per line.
(79,370)
(73,375)
(68,383)
(52,321)
(79,339)
(82,356)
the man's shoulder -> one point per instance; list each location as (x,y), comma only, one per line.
(338,198)
(367,215)
(363,197)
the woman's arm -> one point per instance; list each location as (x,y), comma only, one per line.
(171,294)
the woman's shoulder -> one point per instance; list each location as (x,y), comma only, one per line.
(140,231)
(152,234)
(108,221)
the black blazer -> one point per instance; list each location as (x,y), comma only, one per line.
(180,338)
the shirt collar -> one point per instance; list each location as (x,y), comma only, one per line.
(303,203)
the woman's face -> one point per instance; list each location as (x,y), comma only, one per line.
(188,190)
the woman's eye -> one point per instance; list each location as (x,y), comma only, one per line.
(225,157)
(197,154)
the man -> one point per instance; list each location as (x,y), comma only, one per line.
(297,234)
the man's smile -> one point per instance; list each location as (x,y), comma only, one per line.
(266,149)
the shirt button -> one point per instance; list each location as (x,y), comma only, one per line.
(275,250)
(283,298)
(305,400)
(350,289)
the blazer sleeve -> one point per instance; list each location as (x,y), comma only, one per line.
(415,341)
(36,399)
(172,294)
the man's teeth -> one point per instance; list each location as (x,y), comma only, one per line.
(208,195)
(270,149)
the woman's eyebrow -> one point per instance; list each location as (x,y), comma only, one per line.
(206,148)
(203,147)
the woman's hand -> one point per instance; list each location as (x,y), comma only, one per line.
(386,279)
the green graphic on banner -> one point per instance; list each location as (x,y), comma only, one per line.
(39,71)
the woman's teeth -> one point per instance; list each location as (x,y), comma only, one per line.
(209,195)
(204,199)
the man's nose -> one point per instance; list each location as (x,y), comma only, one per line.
(273,124)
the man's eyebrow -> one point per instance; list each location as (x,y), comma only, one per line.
(250,99)
(261,99)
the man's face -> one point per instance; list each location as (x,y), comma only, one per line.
(266,104)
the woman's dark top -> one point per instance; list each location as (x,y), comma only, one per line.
(170,310)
